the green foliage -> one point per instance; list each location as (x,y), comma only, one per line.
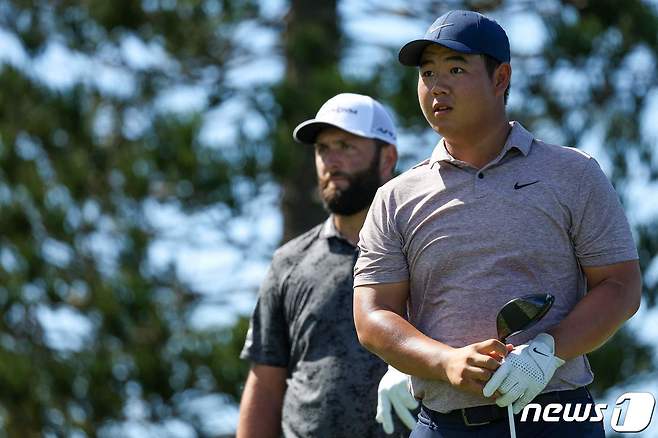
(619,361)
(81,167)
(228,369)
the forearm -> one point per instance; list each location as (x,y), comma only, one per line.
(378,311)
(597,317)
(400,344)
(260,409)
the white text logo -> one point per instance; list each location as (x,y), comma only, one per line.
(632,412)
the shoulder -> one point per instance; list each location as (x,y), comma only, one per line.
(544,154)
(293,250)
(572,173)
(406,181)
(565,153)
(561,159)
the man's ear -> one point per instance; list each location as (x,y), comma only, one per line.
(502,78)
(388,158)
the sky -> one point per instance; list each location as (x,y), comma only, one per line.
(195,244)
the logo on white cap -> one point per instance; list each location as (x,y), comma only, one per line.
(355,113)
(340,109)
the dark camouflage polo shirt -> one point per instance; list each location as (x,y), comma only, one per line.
(303,321)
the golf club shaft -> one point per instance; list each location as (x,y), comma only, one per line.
(510,416)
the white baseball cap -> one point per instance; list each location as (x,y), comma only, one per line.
(361,115)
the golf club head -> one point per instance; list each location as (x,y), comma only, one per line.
(522,313)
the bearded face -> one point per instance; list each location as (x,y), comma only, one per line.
(348,169)
(346,193)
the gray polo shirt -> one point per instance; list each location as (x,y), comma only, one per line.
(468,240)
(303,322)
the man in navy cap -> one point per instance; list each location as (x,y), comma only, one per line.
(493,214)
(310,377)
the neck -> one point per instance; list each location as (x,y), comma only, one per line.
(349,226)
(479,149)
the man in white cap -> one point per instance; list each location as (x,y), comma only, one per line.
(310,377)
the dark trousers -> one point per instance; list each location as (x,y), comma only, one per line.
(436,425)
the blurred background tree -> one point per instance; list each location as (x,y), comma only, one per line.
(130,130)
(93,331)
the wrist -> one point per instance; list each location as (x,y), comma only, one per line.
(552,341)
(443,360)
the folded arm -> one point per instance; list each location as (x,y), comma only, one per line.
(613,297)
(382,329)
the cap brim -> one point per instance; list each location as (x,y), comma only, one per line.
(307,132)
(411,52)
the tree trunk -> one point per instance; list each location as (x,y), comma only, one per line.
(312,48)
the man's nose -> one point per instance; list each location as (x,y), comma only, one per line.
(332,160)
(439,86)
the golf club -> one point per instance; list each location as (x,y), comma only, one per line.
(516,316)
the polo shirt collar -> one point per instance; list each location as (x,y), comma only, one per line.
(329,228)
(518,138)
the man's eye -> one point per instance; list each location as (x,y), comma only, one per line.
(456,70)
(427,73)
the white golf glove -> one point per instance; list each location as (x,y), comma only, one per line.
(394,390)
(525,372)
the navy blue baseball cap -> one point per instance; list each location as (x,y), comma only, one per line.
(463,31)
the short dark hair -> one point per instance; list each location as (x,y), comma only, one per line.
(491,64)
(380,143)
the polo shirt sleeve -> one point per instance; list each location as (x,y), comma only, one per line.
(381,256)
(267,341)
(600,231)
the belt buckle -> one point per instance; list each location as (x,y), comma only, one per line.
(468,422)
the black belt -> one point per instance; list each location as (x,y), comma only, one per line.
(480,415)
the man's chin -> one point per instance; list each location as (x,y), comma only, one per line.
(330,194)
(333,204)
(330,203)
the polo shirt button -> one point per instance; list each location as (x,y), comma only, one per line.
(481,175)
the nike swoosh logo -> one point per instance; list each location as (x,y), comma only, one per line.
(440,26)
(518,186)
(539,352)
